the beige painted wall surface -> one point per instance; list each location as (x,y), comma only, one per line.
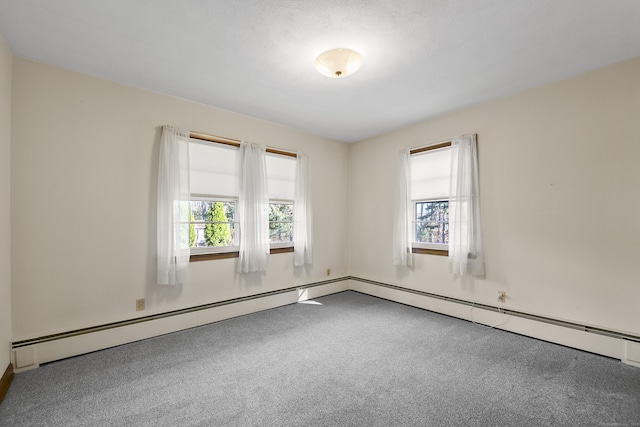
(559,180)
(5,202)
(84,174)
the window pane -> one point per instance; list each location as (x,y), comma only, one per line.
(281,212)
(432,222)
(280,222)
(280,232)
(212,223)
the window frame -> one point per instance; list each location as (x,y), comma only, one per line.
(440,249)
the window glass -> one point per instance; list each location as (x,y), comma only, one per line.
(432,222)
(213,224)
(281,222)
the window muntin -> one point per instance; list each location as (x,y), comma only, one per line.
(213,227)
(431,224)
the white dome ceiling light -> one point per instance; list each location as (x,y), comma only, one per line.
(338,63)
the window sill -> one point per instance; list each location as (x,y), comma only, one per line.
(439,252)
(235,254)
(283,250)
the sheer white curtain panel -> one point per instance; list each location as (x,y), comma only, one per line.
(253,209)
(466,254)
(173,207)
(302,218)
(402,226)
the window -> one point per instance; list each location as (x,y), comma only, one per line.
(431,222)
(212,227)
(430,198)
(214,173)
(214,183)
(281,224)
(281,173)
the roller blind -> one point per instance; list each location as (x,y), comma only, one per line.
(214,169)
(281,173)
(430,174)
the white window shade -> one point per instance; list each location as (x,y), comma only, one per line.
(214,169)
(281,175)
(430,174)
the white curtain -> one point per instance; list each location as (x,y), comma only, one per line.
(302,220)
(253,210)
(466,255)
(402,227)
(173,207)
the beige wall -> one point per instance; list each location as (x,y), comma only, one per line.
(84,170)
(559,180)
(5,205)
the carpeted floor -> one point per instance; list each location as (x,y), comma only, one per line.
(352,360)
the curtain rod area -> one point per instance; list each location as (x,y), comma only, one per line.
(234,142)
(430,147)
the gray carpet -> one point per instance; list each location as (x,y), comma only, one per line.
(354,360)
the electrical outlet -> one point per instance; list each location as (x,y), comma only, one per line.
(140,304)
(502,296)
(328,272)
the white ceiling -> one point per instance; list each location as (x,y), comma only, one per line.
(422,58)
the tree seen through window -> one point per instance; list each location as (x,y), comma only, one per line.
(432,221)
(212,223)
(280,222)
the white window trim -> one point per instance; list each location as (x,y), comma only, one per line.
(278,245)
(214,250)
(435,246)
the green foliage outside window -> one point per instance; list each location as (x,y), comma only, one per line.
(192,231)
(280,222)
(217,232)
(211,223)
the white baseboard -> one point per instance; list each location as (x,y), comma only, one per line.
(580,339)
(31,356)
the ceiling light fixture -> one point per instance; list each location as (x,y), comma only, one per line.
(337,63)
